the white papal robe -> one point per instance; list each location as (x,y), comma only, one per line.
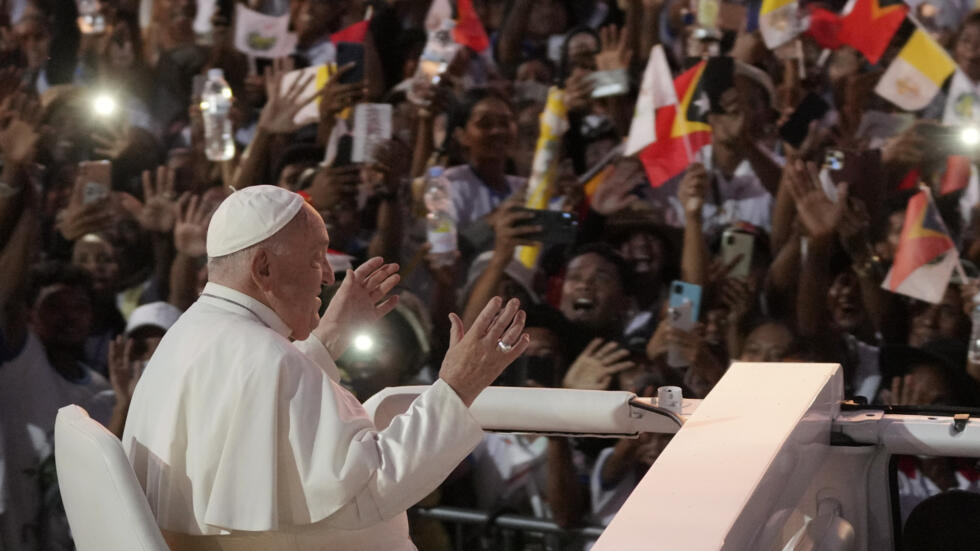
(236,432)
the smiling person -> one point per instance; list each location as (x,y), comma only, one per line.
(481,139)
(238,428)
(593,294)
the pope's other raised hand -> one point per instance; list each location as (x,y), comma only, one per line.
(477,356)
(361,300)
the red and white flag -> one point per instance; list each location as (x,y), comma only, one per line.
(656,91)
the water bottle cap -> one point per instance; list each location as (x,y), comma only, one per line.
(435,171)
(216,73)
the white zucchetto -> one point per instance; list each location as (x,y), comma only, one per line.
(250,216)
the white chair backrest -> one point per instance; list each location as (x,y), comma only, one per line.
(106,508)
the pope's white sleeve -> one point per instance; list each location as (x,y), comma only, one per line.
(405,462)
(313,349)
(300,449)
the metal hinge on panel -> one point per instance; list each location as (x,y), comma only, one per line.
(959,421)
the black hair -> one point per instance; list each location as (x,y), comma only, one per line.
(609,254)
(616,236)
(894,202)
(414,351)
(54,272)
(459,114)
(301,153)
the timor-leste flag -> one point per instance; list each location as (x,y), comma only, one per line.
(682,129)
(926,255)
(868,26)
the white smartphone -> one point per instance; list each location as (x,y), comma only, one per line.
(736,244)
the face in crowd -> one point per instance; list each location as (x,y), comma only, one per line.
(33,36)
(844,298)
(769,342)
(945,320)
(62,315)
(593,292)
(490,131)
(967,51)
(96,255)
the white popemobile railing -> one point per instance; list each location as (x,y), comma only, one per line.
(770,460)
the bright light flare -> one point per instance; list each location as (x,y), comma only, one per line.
(970,136)
(363,343)
(104,105)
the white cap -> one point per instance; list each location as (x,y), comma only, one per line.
(250,216)
(216,72)
(154,314)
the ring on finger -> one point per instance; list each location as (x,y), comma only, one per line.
(504,347)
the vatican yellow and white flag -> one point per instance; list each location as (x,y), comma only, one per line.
(544,170)
(918,72)
(656,91)
(310,113)
(780,21)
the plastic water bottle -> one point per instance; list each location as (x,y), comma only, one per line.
(974,354)
(215,104)
(441,228)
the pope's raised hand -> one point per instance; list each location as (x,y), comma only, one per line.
(361,300)
(477,356)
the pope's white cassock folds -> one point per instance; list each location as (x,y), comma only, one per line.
(236,432)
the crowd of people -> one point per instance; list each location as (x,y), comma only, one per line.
(90,283)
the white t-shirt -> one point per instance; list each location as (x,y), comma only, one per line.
(512,471)
(31,392)
(742,198)
(471,198)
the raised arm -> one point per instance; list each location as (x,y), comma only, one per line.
(18,147)
(277,117)
(508,234)
(694,256)
(820,218)
(512,34)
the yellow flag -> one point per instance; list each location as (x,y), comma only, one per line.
(915,77)
(553,125)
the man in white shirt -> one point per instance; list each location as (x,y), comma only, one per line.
(243,439)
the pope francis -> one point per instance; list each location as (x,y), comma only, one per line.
(239,432)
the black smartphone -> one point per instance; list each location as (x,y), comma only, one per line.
(348,52)
(812,108)
(344,147)
(557,228)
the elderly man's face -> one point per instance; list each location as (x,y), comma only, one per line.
(298,271)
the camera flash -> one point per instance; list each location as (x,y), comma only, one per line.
(970,135)
(363,343)
(104,105)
